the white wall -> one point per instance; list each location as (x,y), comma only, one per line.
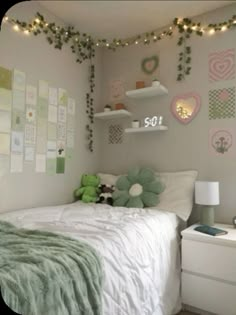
(182,146)
(39,60)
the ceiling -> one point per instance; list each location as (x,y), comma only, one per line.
(123,19)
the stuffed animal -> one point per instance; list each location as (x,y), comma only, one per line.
(88,192)
(105,195)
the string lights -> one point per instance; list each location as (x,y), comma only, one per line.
(83,44)
(182,24)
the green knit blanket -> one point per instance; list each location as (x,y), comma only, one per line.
(46,273)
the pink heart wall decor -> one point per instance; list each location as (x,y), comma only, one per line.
(222,65)
(185,107)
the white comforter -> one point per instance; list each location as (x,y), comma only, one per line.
(140,249)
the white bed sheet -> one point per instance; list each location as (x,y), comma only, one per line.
(140,250)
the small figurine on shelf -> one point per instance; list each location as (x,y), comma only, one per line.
(140,84)
(107,108)
(119,106)
(155,82)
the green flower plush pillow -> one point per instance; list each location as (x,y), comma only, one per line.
(139,189)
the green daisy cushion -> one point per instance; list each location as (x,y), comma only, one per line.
(139,189)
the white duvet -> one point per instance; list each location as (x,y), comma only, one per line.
(140,250)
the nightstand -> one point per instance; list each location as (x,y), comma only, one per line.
(209,270)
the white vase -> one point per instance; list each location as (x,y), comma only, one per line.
(107,109)
(155,83)
(135,124)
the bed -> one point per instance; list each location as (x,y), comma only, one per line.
(140,248)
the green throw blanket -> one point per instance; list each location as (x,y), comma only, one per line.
(43,273)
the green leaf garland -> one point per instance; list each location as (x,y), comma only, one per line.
(83,46)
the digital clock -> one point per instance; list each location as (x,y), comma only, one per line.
(153,121)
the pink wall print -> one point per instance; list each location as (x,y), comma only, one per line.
(222,65)
(222,142)
(117,90)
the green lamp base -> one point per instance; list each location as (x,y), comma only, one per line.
(207,215)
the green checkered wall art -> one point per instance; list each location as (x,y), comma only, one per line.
(115,134)
(222,103)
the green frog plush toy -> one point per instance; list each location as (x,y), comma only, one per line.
(88,192)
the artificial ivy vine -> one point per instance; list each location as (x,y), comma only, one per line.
(90,108)
(186,28)
(83,46)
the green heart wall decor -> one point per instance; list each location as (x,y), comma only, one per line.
(150,64)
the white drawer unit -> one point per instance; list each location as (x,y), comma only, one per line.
(209,270)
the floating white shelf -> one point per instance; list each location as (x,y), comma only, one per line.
(113,114)
(147,92)
(146,129)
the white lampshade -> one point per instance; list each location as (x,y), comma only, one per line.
(207,193)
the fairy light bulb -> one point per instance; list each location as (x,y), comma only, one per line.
(154,37)
(126,44)
(136,42)
(202,30)
(179,21)
(37,21)
(212,31)
(117,43)
(107,44)
(5,18)
(97,44)
(170,28)
(185,27)
(234,22)
(194,28)
(46,24)
(223,28)
(16,28)
(26,32)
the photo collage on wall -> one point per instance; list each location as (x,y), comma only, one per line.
(36,125)
(222,102)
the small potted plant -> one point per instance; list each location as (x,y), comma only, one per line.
(155,82)
(107,108)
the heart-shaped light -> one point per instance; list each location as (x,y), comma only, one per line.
(185,107)
(149,65)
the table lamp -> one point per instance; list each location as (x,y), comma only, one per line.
(207,195)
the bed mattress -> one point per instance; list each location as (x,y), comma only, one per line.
(140,250)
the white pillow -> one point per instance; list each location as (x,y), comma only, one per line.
(108,179)
(178,194)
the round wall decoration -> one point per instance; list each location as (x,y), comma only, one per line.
(150,64)
(139,189)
